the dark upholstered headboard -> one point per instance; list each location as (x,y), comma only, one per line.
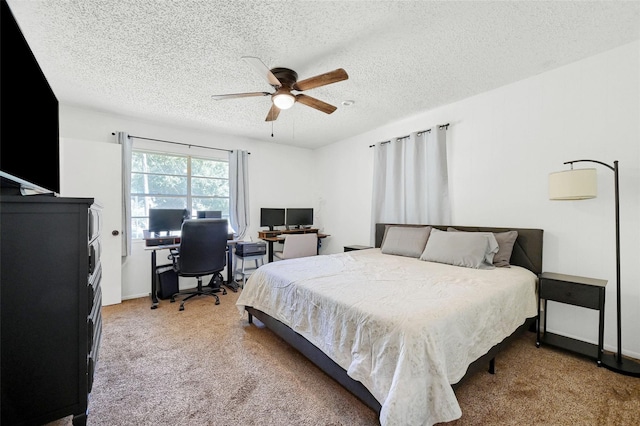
(527,250)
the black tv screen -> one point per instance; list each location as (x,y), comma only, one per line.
(166,220)
(299,217)
(29,127)
(272,217)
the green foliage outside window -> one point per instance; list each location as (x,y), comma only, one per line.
(176,182)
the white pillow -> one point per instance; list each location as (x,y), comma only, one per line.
(405,240)
(467,249)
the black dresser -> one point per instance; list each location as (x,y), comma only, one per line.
(51,301)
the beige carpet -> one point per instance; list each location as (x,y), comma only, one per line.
(208,366)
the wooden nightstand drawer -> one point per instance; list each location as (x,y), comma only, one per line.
(575,294)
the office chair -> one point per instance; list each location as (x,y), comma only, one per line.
(298,245)
(202,251)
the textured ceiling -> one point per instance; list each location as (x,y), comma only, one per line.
(162,60)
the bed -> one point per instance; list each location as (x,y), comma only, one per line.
(400,331)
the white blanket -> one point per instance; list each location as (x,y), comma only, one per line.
(407,329)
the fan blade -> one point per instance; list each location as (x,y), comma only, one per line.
(273,113)
(321,80)
(263,70)
(315,103)
(239,95)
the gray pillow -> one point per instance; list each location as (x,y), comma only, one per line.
(467,249)
(506,240)
(405,240)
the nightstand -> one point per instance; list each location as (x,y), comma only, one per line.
(356,247)
(573,290)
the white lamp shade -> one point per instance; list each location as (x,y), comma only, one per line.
(577,184)
(284,100)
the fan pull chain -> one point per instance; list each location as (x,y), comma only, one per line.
(271,128)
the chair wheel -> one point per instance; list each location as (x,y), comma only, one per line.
(173,300)
(218,302)
(224,291)
(181,308)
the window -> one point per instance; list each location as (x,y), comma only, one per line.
(172,181)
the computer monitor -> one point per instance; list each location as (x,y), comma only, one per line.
(210,214)
(299,217)
(272,217)
(166,220)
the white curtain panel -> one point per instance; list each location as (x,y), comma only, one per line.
(410,180)
(127,144)
(239,191)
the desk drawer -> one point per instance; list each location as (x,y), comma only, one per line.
(587,296)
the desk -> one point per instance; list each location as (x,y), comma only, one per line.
(270,238)
(230,283)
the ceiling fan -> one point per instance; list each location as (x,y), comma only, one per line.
(284,81)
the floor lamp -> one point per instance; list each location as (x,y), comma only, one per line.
(580,184)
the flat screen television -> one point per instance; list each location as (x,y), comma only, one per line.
(166,220)
(29,153)
(272,217)
(297,217)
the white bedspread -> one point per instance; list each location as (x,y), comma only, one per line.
(405,328)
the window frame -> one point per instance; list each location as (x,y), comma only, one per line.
(189,196)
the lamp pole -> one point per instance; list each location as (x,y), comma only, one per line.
(616,362)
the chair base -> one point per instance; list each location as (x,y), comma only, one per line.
(201,291)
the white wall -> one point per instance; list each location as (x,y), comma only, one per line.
(501,146)
(278,175)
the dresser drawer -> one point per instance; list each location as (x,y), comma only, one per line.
(95,223)
(575,294)
(94,256)
(95,331)
(94,320)
(94,287)
(93,355)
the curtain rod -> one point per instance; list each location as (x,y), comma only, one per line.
(179,143)
(445,126)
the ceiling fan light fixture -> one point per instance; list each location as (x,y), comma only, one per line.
(283,100)
(285,80)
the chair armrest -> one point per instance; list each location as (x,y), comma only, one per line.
(174,254)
